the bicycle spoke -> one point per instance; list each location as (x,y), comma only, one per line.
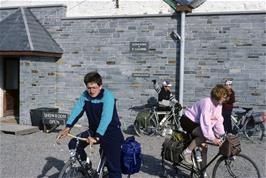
(228,167)
(237,166)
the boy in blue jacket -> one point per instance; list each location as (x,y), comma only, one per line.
(104,126)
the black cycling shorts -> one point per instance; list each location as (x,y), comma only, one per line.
(187,124)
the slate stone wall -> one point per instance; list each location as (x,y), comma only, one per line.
(218,46)
(37,85)
(226,46)
(104,45)
(38,74)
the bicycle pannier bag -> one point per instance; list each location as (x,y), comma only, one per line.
(173,147)
(231,146)
(142,118)
(130,156)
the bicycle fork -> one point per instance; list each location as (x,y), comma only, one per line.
(228,167)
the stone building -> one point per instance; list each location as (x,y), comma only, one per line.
(218,46)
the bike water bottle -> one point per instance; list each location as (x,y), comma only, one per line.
(198,154)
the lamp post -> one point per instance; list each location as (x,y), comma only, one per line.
(183,6)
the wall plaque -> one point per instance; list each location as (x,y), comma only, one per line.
(139,46)
(140,75)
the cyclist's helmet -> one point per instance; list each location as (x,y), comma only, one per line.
(228,82)
(167,83)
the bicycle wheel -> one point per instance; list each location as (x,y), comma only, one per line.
(138,128)
(70,170)
(254,131)
(148,129)
(238,166)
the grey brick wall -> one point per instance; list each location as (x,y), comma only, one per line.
(104,45)
(37,85)
(218,46)
(38,74)
(226,46)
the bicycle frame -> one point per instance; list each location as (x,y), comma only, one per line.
(168,116)
(74,158)
(194,168)
(151,123)
(241,119)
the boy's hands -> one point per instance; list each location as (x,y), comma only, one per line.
(91,140)
(66,132)
(63,133)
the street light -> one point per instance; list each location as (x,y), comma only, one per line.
(183,6)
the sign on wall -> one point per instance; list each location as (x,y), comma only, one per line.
(139,46)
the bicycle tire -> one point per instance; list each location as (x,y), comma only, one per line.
(149,130)
(137,128)
(253,131)
(237,166)
(68,171)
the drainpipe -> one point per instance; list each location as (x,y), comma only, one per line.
(182,54)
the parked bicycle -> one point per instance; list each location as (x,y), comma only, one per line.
(250,123)
(74,168)
(149,122)
(236,166)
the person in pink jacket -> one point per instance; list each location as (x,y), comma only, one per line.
(204,121)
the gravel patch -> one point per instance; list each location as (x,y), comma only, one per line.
(38,156)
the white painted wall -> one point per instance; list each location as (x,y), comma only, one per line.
(136,7)
(1,88)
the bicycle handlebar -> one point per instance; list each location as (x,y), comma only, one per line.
(223,139)
(78,138)
(72,136)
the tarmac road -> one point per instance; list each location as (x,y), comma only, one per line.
(38,156)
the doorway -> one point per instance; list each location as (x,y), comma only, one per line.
(11,86)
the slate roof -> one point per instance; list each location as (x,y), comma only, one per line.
(22,32)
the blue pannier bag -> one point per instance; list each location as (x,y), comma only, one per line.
(130,156)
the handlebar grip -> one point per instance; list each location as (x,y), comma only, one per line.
(79,138)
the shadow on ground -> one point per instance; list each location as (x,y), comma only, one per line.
(153,166)
(51,163)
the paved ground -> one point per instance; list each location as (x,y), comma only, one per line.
(38,156)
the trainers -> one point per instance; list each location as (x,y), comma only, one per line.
(186,157)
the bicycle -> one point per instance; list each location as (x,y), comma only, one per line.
(237,166)
(249,123)
(152,124)
(74,168)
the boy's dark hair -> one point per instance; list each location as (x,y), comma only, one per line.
(93,77)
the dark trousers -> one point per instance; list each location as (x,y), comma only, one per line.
(227,120)
(111,148)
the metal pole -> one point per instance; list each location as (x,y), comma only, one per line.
(182,54)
